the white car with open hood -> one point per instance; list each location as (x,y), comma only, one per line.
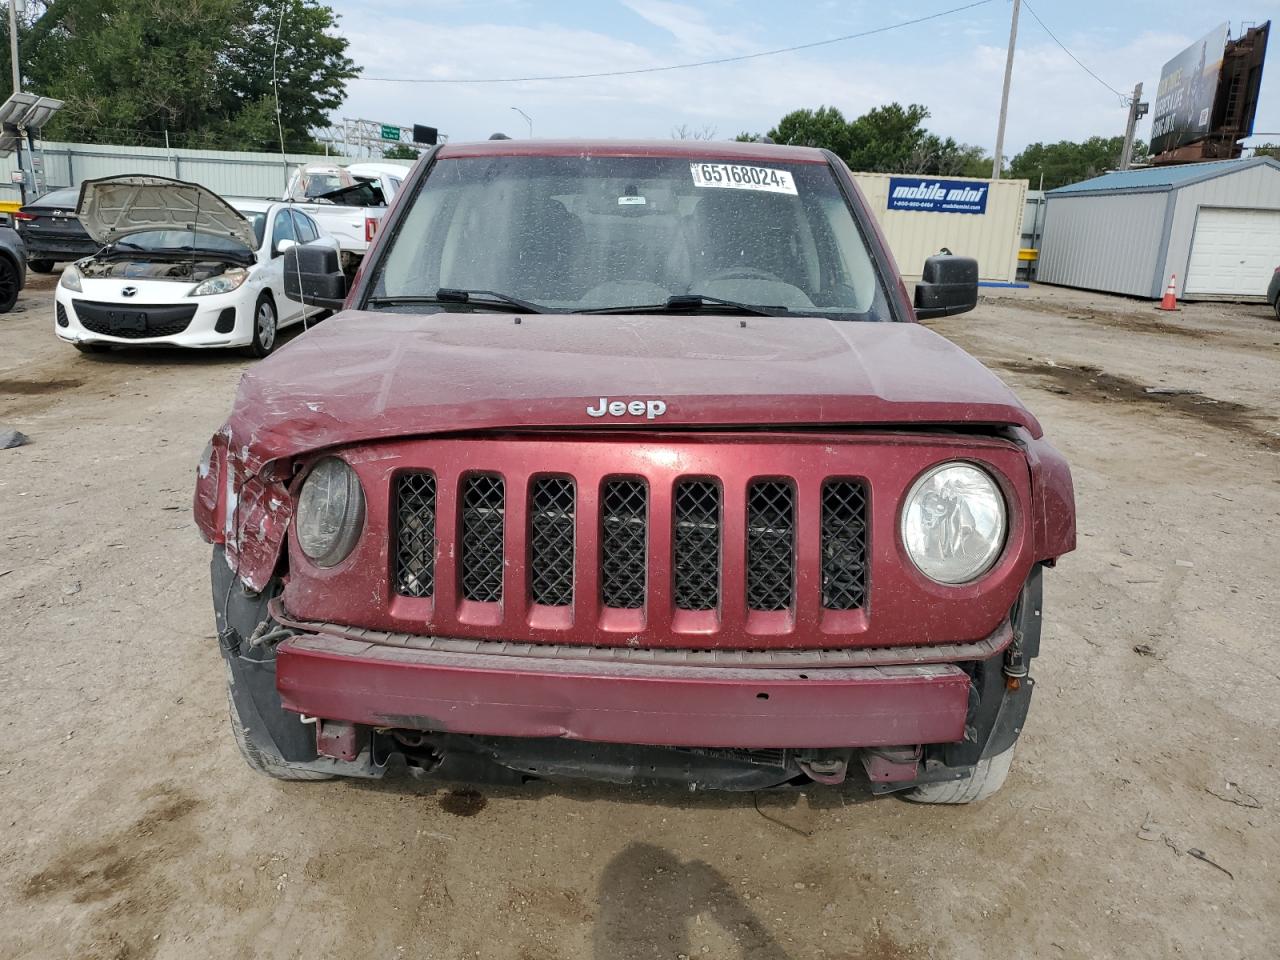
(181,266)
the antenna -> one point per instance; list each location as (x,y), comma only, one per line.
(284,157)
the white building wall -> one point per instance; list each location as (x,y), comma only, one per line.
(226,172)
(1108,242)
(1257,188)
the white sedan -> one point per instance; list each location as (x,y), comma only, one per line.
(181,266)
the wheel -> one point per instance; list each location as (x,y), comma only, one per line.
(91,347)
(1276,307)
(988,777)
(41,266)
(272,766)
(265,327)
(9,284)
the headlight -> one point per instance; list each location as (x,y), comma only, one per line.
(953,523)
(232,279)
(330,512)
(71,278)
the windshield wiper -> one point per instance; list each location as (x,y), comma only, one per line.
(480,298)
(698,302)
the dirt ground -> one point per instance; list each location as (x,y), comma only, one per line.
(130,828)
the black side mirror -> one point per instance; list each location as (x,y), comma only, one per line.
(313,275)
(949,285)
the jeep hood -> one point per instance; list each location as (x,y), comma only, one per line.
(369,376)
(112,208)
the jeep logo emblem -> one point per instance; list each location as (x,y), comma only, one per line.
(650,409)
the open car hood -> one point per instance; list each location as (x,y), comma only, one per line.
(112,208)
(369,376)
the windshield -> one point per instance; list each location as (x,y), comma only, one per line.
(599,233)
(66,199)
(179,241)
(258,220)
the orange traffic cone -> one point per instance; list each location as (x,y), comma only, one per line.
(1170,300)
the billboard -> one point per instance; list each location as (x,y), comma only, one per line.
(1188,85)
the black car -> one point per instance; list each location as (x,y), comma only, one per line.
(1273,292)
(52,231)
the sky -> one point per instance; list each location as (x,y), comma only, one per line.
(954,65)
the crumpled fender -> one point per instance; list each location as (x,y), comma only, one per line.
(247,513)
(1053,498)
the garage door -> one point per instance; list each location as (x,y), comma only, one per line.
(1233,252)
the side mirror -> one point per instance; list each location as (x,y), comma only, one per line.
(948,285)
(313,276)
(282,246)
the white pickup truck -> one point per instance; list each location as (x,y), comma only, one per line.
(347,201)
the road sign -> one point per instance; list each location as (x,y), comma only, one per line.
(390,132)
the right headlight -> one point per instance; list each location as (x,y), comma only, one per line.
(953,523)
(71,278)
(330,512)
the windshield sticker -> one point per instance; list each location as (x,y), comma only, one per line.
(628,201)
(736,177)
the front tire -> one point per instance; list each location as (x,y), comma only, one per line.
(41,266)
(266,328)
(988,776)
(261,761)
(10,284)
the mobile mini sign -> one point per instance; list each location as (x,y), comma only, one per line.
(925,195)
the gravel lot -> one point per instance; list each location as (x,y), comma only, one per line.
(130,828)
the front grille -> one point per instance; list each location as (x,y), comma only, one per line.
(624,541)
(134,322)
(708,523)
(844,545)
(415,571)
(551,529)
(696,512)
(484,508)
(61,314)
(770,545)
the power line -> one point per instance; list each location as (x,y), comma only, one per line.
(686,66)
(1124,98)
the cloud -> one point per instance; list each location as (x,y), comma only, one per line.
(689,26)
(1052,98)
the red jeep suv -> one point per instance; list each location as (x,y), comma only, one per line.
(630,461)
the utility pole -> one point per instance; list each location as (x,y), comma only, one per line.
(1137,110)
(997,163)
(17,88)
(13,45)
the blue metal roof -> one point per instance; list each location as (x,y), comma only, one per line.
(1163,178)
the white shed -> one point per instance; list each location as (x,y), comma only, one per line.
(1216,226)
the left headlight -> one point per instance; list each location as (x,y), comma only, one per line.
(224,282)
(330,512)
(953,523)
(71,278)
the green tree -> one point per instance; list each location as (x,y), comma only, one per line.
(1267,150)
(200,70)
(400,151)
(888,139)
(1067,161)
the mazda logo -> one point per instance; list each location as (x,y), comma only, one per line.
(129,292)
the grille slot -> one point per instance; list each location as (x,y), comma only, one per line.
(157,321)
(415,571)
(844,545)
(484,509)
(696,515)
(551,524)
(770,545)
(624,543)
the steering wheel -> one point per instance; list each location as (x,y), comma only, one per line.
(744,273)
